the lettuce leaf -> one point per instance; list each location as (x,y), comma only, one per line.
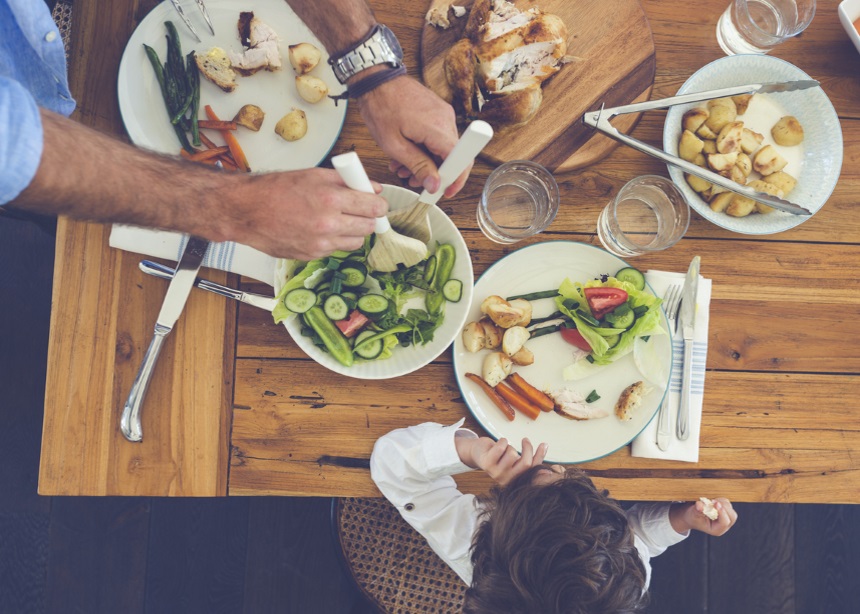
(646,324)
(280,312)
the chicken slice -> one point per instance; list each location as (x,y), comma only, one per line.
(460,72)
(571,405)
(261,43)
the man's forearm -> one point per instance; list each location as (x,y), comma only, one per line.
(88,175)
(339,24)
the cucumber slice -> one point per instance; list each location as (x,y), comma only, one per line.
(430,270)
(613,340)
(335,308)
(632,276)
(355,273)
(453,290)
(300,300)
(369,350)
(374,306)
(623,320)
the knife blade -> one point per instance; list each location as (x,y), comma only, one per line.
(687,318)
(257,300)
(174,302)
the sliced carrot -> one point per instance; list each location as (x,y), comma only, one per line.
(207,154)
(207,141)
(232,143)
(494,396)
(518,402)
(228,163)
(185,154)
(531,393)
(217,125)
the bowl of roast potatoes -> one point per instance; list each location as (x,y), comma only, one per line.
(786,144)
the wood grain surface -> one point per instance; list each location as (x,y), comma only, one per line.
(615,64)
(779,422)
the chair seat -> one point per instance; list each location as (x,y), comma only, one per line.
(390,562)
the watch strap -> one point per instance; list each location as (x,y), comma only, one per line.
(370,83)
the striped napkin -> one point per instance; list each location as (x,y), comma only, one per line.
(645,445)
(232,257)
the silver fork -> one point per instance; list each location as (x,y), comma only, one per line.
(187,21)
(671,302)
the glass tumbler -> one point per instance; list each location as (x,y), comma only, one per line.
(520,199)
(757,26)
(647,215)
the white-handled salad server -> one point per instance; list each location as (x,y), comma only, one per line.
(599,120)
(390,248)
(413,221)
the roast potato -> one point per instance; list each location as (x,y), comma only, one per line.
(787,131)
(742,102)
(293,125)
(767,160)
(689,146)
(721,201)
(698,184)
(767,188)
(304,57)
(781,180)
(740,206)
(722,162)
(722,111)
(694,118)
(750,140)
(744,163)
(250,116)
(710,146)
(313,89)
(729,138)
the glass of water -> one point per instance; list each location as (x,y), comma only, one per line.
(520,199)
(647,215)
(757,26)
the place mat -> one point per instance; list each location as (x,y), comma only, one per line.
(227,256)
(645,445)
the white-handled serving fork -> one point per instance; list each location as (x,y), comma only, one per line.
(671,303)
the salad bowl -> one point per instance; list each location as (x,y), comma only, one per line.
(404,360)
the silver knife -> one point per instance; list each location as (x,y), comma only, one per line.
(688,321)
(257,300)
(174,301)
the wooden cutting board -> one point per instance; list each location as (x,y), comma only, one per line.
(616,66)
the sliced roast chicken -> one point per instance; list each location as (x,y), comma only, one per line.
(260,44)
(496,71)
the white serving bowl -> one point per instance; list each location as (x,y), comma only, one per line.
(849,12)
(404,360)
(816,171)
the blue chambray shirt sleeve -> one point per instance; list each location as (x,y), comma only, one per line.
(20,139)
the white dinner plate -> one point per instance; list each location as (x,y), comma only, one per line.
(543,266)
(818,159)
(404,360)
(145,116)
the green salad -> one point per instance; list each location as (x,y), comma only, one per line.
(353,312)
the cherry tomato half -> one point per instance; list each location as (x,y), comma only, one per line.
(603,300)
(574,337)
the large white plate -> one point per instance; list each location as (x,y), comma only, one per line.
(408,359)
(142,107)
(817,171)
(543,266)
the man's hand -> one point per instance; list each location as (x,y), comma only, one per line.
(500,460)
(686,516)
(415,128)
(303,214)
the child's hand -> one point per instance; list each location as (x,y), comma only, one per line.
(500,460)
(686,516)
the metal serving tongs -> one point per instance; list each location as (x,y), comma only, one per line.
(599,120)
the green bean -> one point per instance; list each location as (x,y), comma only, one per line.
(156,66)
(544,330)
(533,296)
(194,80)
(554,316)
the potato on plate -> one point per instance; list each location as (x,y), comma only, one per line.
(740,206)
(304,57)
(293,125)
(750,141)
(742,102)
(722,111)
(698,184)
(781,180)
(694,118)
(721,201)
(722,162)
(767,188)
(729,138)
(689,146)
(767,160)
(313,89)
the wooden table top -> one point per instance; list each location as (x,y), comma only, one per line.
(236,408)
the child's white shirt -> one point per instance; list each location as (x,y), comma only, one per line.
(413,468)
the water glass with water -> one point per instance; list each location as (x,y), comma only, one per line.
(520,199)
(757,26)
(647,215)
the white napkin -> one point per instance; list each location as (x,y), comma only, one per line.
(645,445)
(232,257)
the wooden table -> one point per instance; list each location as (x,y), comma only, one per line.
(235,408)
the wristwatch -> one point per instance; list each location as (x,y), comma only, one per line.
(380,46)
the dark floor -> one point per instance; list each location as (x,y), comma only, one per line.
(260,555)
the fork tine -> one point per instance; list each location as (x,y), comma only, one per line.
(203,10)
(185,19)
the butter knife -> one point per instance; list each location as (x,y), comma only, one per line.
(687,317)
(174,301)
(257,300)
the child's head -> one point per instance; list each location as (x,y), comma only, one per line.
(554,545)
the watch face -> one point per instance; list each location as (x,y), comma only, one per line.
(392,41)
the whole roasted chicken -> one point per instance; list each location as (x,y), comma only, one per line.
(496,70)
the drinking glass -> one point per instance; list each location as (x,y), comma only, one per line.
(757,26)
(520,199)
(647,215)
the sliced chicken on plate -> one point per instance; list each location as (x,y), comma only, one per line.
(261,46)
